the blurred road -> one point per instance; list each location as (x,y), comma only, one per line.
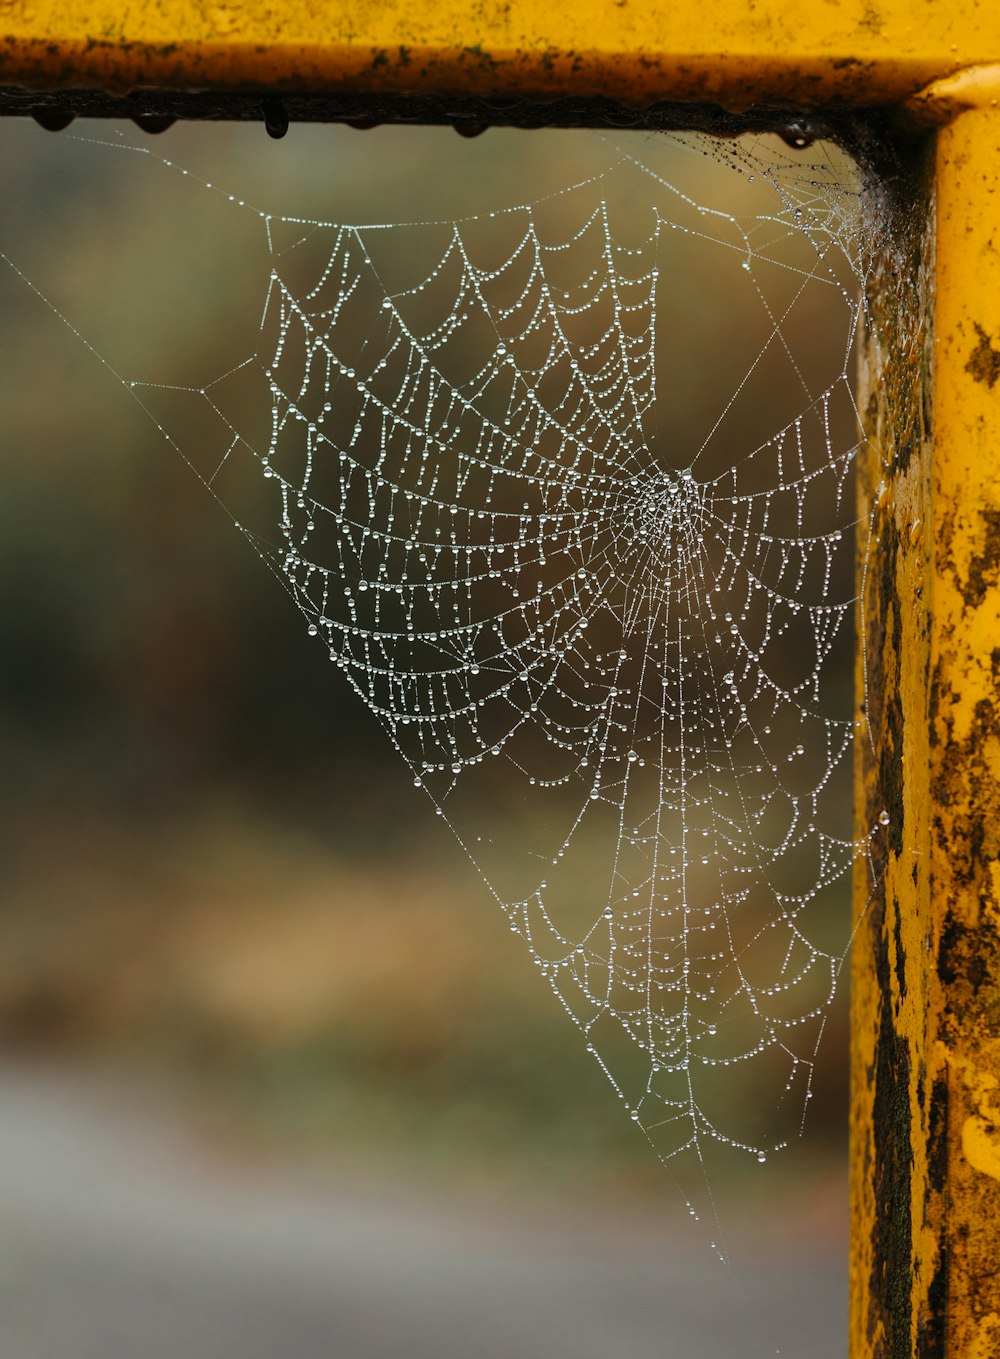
(119,1239)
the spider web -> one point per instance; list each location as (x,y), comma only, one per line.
(611,656)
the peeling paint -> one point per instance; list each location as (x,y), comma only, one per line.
(892,1268)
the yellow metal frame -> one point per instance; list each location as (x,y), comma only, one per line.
(926,968)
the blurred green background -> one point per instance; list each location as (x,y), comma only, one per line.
(215,874)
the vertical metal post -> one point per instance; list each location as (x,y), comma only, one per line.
(925,1267)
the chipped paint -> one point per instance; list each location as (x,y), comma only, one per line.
(984,361)
(893,1261)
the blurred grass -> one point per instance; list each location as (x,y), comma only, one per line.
(336,1005)
(381,1014)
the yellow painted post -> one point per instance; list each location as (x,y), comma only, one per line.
(926,1001)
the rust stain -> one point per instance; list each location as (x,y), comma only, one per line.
(896,1161)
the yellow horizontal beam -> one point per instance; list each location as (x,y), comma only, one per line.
(730,52)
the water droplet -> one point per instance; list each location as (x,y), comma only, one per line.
(798,135)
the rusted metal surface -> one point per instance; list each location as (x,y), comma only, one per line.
(730,53)
(926,974)
(890,1117)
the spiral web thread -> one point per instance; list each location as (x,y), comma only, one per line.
(605,658)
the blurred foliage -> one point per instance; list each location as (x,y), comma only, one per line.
(212,863)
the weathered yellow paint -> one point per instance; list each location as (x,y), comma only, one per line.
(730,52)
(981,1143)
(926,1001)
(889,1278)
